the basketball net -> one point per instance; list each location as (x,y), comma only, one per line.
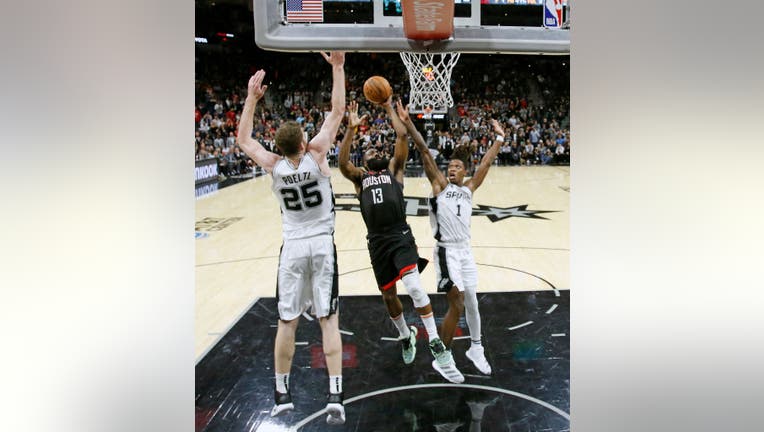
(430,80)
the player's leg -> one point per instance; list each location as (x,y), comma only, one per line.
(332,343)
(333,352)
(448,275)
(413,282)
(406,334)
(405,260)
(291,303)
(283,354)
(392,302)
(325,292)
(386,276)
(472,314)
(444,361)
(455,299)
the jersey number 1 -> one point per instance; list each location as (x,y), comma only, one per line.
(311,198)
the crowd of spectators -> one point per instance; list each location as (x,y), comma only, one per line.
(529,95)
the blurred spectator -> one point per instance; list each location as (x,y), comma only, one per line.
(528,94)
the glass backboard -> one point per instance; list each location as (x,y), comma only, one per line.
(480,26)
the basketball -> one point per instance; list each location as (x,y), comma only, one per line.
(377,89)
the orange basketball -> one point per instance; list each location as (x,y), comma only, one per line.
(377,89)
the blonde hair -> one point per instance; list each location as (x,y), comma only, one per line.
(289,137)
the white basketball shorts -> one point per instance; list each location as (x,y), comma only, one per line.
(307,276)
(454,266)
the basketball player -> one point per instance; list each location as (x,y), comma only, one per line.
(391,244)
(308,260)
(450,213)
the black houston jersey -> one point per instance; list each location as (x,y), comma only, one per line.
(306,198)
(382,203)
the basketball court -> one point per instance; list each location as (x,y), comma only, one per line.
(520,240)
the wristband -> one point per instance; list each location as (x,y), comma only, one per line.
(500,138)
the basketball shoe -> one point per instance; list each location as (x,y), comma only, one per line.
(444,362)
(408,346)
(335,410)
(477,356)
(283,403)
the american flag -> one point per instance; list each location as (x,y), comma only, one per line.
(305,10)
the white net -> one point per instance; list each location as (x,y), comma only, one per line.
(430,80)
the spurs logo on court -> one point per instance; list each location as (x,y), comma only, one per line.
(417,206)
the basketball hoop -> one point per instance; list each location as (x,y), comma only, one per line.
(430,79)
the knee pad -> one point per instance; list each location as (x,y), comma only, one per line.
(414,288)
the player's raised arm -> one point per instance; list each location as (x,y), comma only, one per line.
(350,171)
(490,155)
(436,178)
(253,148)
(321,143)
(401,149)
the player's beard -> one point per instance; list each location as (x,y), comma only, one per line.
(378,164)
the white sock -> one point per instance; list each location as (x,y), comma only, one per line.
(400,324)
(429,325)
(472,315)
(335,384)
(282,382)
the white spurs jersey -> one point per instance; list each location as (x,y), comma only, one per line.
(306,198)
(450,214)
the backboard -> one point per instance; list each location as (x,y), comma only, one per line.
(480,26)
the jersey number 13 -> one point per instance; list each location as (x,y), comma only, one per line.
(376,195)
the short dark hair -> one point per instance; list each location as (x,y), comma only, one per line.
(289,137)
(464,154)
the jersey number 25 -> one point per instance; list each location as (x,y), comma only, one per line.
(310,198)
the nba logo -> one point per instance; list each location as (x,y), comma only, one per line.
(553,13)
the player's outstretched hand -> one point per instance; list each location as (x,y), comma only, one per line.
(335,58)
(255,87)
(403,112)
(353,120)
(497,127)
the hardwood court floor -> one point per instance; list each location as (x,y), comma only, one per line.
(520,239)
